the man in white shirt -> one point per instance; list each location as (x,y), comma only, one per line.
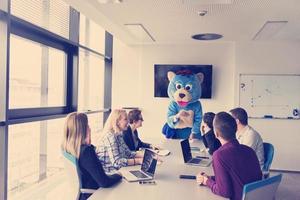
(247,135)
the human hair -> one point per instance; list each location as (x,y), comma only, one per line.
(240,114)
(134,115)
(225,125)
(112,122)
(75,133)
(208,118)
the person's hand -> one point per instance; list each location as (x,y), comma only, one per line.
(202,130)
(118,172)
(158,158)
(201,178)
(182,113)
(154,147)
(192,137)
(138,161)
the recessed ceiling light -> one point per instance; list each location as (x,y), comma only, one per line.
(207,36)
(109,1)
(269,30)
(140,32)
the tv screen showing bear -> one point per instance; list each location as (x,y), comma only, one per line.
(161,78)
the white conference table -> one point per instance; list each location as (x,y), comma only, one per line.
(168,185)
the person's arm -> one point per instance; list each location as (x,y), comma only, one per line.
(221,183)
(127,136)
(113,150)
(124,148)
(90,162)
(197,119)
(142,144)
(212,142)
(172,115)
(250,140)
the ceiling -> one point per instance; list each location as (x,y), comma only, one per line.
(175,21)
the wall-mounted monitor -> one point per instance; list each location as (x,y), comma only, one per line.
(161,80)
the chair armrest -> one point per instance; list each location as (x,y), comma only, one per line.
(87,191)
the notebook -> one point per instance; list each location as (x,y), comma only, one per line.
(147,168)
(187,155)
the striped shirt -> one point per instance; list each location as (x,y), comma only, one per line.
(113,152)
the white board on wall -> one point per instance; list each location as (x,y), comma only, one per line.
(270,95)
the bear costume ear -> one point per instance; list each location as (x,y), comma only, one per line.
(171,75)
(199,75)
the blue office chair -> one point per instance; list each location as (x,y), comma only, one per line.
(73,175)
(268,155)
(264,189)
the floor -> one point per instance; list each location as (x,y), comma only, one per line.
(289,189)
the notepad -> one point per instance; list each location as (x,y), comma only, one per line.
(162,152)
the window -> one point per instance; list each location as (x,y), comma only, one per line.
(37,76)
(34,157)
(52,15)
(91,35)
(91,81)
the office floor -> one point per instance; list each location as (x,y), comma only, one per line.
(289,189)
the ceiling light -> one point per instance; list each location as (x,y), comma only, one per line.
(207,36)
(207,2)
(109,1)
(269,30)
(140,32)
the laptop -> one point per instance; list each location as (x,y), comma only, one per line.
(187,155)
(147,169)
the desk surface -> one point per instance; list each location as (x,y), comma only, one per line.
(168,185)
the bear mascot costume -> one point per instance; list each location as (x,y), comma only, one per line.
(184,111)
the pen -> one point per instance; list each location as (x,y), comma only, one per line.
(203,157)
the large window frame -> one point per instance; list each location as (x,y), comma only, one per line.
(10,24)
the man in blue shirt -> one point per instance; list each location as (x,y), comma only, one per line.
(234,164)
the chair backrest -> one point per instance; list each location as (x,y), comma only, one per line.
(268,154)
(70,163)
(263,189)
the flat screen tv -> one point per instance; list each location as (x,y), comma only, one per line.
(161,80)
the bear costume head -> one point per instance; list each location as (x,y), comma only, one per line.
(185,87)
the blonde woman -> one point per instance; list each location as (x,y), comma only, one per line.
(111,148)
(77,141)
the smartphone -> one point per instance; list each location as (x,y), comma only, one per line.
(147,182)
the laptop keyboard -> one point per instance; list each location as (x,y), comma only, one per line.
(138,174)
(195,161)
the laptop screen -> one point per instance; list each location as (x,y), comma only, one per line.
(149,162)
(186,150)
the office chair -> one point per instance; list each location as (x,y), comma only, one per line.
(264,189)
(268,156)
(73,175)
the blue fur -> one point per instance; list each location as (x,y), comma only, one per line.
(194,104)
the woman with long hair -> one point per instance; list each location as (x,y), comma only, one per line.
(111,148)
(77,142)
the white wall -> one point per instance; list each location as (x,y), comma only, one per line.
(133,78)
(133,84)
(273,58)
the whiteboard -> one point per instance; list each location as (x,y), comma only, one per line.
(270,96)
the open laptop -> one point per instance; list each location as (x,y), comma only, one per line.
(147,169)
(187,155)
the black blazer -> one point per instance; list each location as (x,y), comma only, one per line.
(91,171)
(210,141)
(128,138)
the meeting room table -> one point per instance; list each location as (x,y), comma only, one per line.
(168,185)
